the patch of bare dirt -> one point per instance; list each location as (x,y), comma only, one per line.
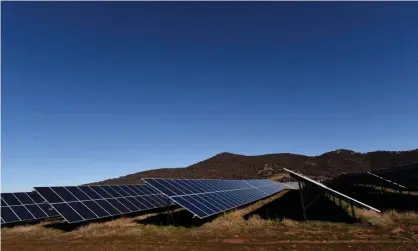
(397,230)
(235,241)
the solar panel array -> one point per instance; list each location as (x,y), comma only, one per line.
(330,190)
(24,207)
(83,203)
(205,198)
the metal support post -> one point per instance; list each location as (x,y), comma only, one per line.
(169,212)
(353,212)
(302,201)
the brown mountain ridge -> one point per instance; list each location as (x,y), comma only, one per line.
(233,166)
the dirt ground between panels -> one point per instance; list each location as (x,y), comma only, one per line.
(261,226)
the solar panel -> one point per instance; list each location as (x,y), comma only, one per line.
(83,203)
(291,185)
(24,207)
(364,178)
(301,177)
(205,198)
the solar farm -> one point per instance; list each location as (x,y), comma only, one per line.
(75,204)
(164,210)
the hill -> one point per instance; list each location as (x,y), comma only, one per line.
(234,166)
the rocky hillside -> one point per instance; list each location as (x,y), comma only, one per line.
(234,166)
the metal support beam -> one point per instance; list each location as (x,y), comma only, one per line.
(169,212)
(302,201)
(353,212)
(315,199)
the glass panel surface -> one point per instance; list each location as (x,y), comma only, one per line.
(67,212)
(8,216)
(22,212)
(36,211)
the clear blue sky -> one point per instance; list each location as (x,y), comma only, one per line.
(92,91)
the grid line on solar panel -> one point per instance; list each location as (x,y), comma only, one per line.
(205,198)
(178,187)
(21,207)
(240,189)
(184,183)
(203,213)
(81,203)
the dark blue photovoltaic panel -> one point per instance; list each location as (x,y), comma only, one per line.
(190,206)
(82,203)
(64,194)
(128,205)
(101,192)
(121,208)
(136,189)
(22,213)
(129,191)
(78,193)
(90,192)
(144,201)
(160,187)
(137,204)
(82,210)
(121,191)
(48,195)
(205,198)
(22,207)
(108,207)
(36,211)
(111,191)
(23,198)
(10,199)
(8,215)
(50,211)
(68,212)
(97,209)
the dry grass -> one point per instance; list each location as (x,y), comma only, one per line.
(387,219)
(397,216)
(280,176)
(234,221)
(29,231)
(235,224)
(290,223)
(374,218)
(119,227)
(124,227)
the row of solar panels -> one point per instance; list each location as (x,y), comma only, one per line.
(205,198)
(202,198)
(21,207)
